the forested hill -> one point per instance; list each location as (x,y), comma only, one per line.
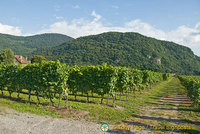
(24,45)
(126,49)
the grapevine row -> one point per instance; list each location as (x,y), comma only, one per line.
(50,78)
(192,83)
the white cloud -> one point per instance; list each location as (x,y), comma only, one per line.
(78,27)
(96,16)
(6,29)
(144,28)
(188,36)
(197,26)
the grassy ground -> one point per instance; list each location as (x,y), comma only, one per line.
(190,114)
(186,114)
(27,107)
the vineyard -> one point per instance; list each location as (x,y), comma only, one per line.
(192,83)
(55,80)
(101,93)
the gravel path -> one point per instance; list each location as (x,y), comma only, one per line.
(13,122)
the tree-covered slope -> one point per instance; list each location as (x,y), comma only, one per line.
(126,49)
(23,45)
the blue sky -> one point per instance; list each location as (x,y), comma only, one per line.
(173,20)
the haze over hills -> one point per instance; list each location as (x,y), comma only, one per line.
(125,49)
(24,45)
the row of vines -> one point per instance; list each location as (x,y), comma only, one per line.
(50,78)
(192,83)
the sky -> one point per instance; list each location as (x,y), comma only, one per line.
(171,20)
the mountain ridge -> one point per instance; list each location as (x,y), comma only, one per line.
(24,45)
(125,49)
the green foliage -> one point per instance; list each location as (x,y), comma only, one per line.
(25,45)
(192,83)
(7,57)
(49,78)
(99,79)
(38,59)
(125,49)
